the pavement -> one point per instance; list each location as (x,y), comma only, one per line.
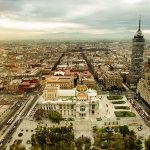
(11,130)
(84,126)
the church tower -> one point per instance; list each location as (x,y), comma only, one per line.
(138,43)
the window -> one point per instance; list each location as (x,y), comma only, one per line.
(93,106)
(93,112)
(60,106)
(82,108)
(71,112)
(72,106)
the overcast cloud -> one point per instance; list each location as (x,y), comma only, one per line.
(108,18)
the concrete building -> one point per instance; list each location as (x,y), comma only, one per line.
(29,84)
(13,85)
(143,87)
(138,44)
(79,102)
(112,80)
(50,92)
(4,107)
(89,82)
(65,82)
(36,72)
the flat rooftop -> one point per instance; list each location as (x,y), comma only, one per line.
(59,79)
(3,108)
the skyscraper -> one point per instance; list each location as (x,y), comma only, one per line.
(138,43)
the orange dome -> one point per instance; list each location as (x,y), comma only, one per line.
(81,88)
(82,96)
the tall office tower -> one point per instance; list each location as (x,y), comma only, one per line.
(138,44)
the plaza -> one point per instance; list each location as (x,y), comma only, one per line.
(84,126)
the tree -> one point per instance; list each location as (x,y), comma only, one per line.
(17,147)
(105,138)
(83,143)
(61,138)
(147,143)
(39,114)
(87,142)
(119,144)
(139,144)
(124,130)
(54,116)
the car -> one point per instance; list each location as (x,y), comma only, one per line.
(31,119)
(9,139)
(98,119)
(10,131)
(28,142)
(65,119)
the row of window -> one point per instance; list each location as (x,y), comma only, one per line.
(62,85)
(51,95)
(66,106)
(67,112)
(49,107)
(53,107)
(65,86)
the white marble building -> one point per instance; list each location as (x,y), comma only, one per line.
(79,102)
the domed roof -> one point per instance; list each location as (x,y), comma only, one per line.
(81,88)
(81,96)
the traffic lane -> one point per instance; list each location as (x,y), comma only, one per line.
(141,112)
(8,136)
(14,128)
(15,109)
(30,106)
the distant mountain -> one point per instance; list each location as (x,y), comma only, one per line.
(85,36)
(73,35)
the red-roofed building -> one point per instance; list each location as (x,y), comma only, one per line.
(29,84)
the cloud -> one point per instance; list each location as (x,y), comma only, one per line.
(85,16)
(10,24)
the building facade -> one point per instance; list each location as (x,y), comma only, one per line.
(89,82)
(143,87)
(112,80)
(79,102)
(64,82)
(138,44)
(50,92)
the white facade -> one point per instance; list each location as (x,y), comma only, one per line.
(79,102)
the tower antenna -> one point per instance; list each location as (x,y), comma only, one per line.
(139,29)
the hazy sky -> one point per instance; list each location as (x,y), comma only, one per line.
(107,18)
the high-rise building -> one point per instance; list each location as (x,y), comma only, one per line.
(143,87)
(138,44)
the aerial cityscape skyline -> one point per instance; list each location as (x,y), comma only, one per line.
(74,75)
(72,19)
